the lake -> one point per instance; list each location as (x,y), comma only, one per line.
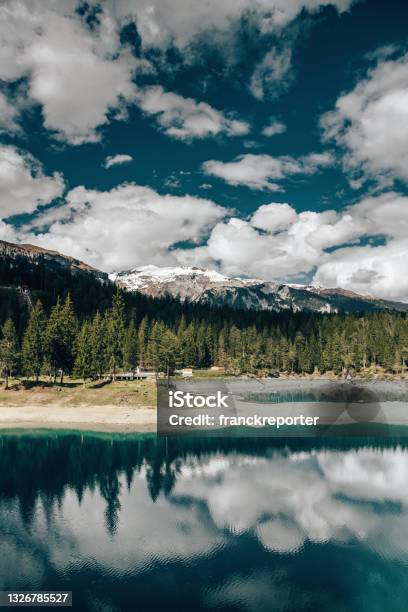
(139,523)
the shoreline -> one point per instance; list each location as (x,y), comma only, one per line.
(114,418)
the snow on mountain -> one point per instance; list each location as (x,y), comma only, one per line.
(210,287)
(144,275)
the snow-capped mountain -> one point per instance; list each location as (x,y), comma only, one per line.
(210,287)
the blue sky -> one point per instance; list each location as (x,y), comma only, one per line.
(264,138)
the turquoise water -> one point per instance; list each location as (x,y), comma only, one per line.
(206,524)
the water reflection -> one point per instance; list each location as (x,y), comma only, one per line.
(206,524)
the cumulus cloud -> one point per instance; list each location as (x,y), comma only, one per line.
(377,269)
(265,171)
(76,74)
(274,217)
(122,228)
(371,122)
(117,160)
(275,127)
(276,243)
(185,118)
(23,184)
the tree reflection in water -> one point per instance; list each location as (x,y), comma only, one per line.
(49,464)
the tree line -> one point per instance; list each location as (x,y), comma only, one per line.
(57,342)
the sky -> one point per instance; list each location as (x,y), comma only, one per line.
(260,138)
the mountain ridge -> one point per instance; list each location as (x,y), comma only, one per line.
(209,286)
(33,252)
(204,286)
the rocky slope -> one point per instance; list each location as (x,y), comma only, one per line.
(51,259)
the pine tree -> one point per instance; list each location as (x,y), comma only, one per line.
(98,340)
(143,336)
(8,349)
(84,361)
(70,330)
(34,346)
(54,339)
(169,352)
(115,326)
(130,347)
(154,347)
(60,338)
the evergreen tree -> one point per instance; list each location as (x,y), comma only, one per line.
(85,358)
(60,338)
(130,347)
(154,347)
(34,342)
(115,328)
(168,352)
(98,340)
(8,349)
(143,336)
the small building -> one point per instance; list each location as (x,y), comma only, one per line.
(216,368)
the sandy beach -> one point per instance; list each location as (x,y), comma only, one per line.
(107,418)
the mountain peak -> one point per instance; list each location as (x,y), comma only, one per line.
(142,277)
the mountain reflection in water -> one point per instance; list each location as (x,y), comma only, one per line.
(146,523)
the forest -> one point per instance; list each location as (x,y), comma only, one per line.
(59,340)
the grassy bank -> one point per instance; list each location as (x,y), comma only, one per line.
(73,393)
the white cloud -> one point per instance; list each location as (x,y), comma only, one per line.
(160,25)
(375,270)
(125,227)
(117,160)
(76,75)
(380,269)
(274,217)
(275,244)
(8,115)
(265,171)
(371,122)
(275,127)
(185,118)
(165,22)
(82,76)
(23,185)
(272,74)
